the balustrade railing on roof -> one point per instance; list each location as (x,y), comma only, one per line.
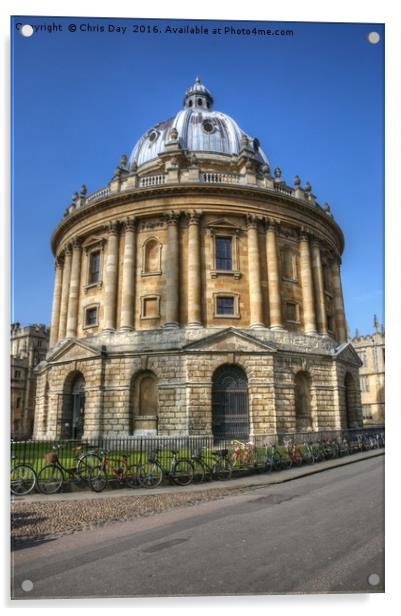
(220,178)
(152,180)
(98,194)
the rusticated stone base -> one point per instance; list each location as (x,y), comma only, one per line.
(179,365)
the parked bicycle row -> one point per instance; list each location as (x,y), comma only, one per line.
(97,467)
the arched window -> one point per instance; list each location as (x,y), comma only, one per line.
(73,411)
(151,257)
(351,402)
(144,403)
(230,415)
(303,415)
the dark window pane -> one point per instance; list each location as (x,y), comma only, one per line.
(224,253)
(225,305)
(91,316)
(291,312)
(94,267)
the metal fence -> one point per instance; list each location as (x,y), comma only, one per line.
(139,449)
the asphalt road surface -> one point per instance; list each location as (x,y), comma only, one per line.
(322,533)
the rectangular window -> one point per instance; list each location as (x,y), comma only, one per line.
(94,267)
(225,305)
(224,257)
(330,323)
(150,308)
(17,374)
(18,403)
(91,316)
(291,312)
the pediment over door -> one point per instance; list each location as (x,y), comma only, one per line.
(230,340)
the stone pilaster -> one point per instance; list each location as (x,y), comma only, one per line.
(273,277)
(72,318)
(194,271)
(65,291)
(111,278)
(128,277)
(255,289)
(338,301)
(172,272)
(321,317)
(58,283)
(307,285)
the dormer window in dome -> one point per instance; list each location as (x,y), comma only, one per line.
(208,126)
(153,135)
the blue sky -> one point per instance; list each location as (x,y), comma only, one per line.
(314,100)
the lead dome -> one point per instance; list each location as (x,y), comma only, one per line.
(198,129)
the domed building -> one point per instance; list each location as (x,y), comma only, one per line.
(197,294)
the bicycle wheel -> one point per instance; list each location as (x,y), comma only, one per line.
(97,479)
(285,463)
(50,479)
(23,479)
(307,457)
(268,465)
(86,464)
(183,472)
(132,475)
(150,475)
(199,471)
(222,469)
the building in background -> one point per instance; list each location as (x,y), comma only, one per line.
(197,293)
(371,350)
(29,346)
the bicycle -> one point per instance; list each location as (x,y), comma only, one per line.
(151,473)
(221,468)
(274,460)
(243,456)
(308,454)
(294,453)
(120,467)
(23,478)
(52,476)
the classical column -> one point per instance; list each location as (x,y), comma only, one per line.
(172,267)
(111,279)
(194,271)
(128,277)
(72,318)
(65,291)
(307,285)
(338,301)
(58,282)
(255,289)
(317,270)
(273,277)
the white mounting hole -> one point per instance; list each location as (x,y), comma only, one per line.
(26,30)
(374,579)
(373,37)
(27,585)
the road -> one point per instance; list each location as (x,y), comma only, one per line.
(317,534)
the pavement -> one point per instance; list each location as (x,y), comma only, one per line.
(252,480)
(323,533)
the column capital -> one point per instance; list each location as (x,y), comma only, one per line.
(193,217)
(76,243)
(272,224)
(129,224)
(251,221)
(113,227)
(59,261)
(304,235)
(171,218)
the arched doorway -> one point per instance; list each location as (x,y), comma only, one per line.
(230,414)
(144,404)
(74,406)
(303,415)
